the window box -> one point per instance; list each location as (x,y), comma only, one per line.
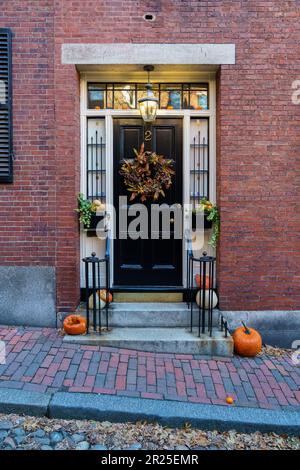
(207,223)
(95,219)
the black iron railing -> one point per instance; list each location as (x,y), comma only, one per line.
(224,326)
(205,296)
(95,170)
(199,169)
(97,285)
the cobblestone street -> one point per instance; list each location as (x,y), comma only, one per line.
(29,433)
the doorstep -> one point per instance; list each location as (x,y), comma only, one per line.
(160,340)
(150,314)
(137,297)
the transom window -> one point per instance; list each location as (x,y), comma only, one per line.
(126,95)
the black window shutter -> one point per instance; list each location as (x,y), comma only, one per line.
(6,148)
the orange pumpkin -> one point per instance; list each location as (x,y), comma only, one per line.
(199,281)
(74,325)
(247,341)
(229,400)
(105,297)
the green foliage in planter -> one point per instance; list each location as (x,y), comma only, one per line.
(214,217)
(85,210)
(212,214)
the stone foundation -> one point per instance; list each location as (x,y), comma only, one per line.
(277,327)
(28,296)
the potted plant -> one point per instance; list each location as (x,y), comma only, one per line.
(207,223)
(90,213)
(211,219)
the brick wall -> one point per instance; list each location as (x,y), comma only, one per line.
(258,136)
(28,222)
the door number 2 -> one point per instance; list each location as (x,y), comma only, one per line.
(148,135)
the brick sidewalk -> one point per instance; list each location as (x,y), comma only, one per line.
(38,360)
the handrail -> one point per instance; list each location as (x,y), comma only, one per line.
(92,266)
(189,256)
(188,238)
(205,292)
(107,244)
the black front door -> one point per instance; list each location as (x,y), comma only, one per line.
(148,262)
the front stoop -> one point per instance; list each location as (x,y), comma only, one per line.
(153,315)
(160,340)
(157,327)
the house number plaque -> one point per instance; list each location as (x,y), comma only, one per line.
(148,135)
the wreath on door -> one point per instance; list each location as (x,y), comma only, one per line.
(148,175)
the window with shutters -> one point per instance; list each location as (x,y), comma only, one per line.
(6,175)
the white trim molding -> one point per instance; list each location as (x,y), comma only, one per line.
(90,244)
(124,53)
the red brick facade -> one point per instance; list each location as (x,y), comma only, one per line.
(257,136)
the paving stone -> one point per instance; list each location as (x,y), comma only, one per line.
(9,441)
(56,437)
(12,368)
(209,384)
(78,437)
(205,448)
(31,370)
(43,440)
(134,446)
(129,393)
(72,371)
(96,357)
(83,445)
(11,384)
(5,425)
(19,373)
(65,433)
(39,433)
(59,378)
(98,447)
(19,439)
(93,368)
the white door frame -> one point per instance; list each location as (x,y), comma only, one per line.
(109,114)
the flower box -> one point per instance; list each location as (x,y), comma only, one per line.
(207,223)
(95,219)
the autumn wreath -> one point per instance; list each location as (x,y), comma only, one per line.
(148,175)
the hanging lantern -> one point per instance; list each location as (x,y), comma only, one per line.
(148,105)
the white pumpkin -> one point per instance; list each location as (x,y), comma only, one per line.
(199,299)
(99,302)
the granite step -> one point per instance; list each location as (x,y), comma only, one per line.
(151,315)
(160,340)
